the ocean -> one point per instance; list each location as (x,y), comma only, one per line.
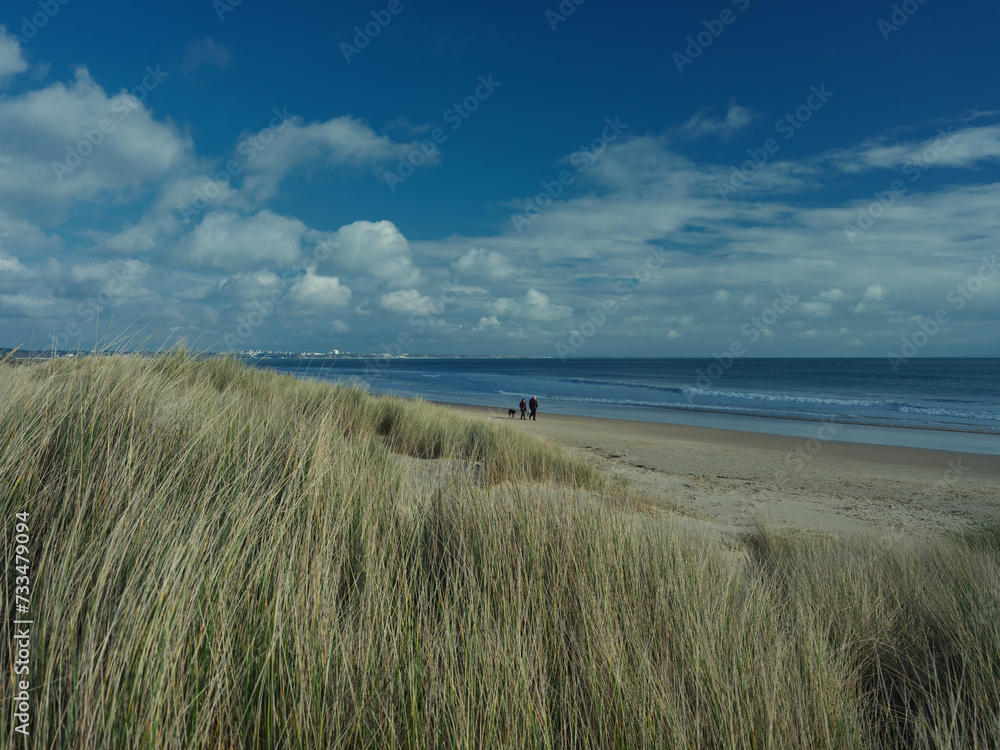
(949,404)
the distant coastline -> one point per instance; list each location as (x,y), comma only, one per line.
(947,404)
(255,354)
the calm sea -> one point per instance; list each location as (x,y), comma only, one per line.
(944,403)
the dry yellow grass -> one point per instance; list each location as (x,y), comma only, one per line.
(225,557)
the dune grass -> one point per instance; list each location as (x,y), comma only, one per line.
(224,557)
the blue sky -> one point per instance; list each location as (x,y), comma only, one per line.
(777,179)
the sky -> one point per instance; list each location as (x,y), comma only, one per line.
(574,179)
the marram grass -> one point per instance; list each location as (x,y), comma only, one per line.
(224,557)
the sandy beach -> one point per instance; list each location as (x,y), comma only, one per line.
(724,480)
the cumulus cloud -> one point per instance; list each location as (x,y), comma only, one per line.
(374,249)
(90,278)
(142,237)
(233,242)
(538,307)
(406,302)
(113,151)
(25,304)
(677,320)
(25,238)
(55,289)
(481,263)
(319,292)
(645,193)
(819,309)
(504,307)
(9,265)
(646,230)
(104,145)
(12,59)
(288,143)
(873,299)
(535,305)
(243,287)
(875,293)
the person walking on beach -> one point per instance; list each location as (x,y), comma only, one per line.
(533,405)
(524,405)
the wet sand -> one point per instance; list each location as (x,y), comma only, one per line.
(726,480)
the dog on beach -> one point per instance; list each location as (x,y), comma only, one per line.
(511,413)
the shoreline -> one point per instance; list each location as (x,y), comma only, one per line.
(726,479)
(817,424)
(887,426)
(902,412)
(958,432)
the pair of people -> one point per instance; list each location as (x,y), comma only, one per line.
(532,404)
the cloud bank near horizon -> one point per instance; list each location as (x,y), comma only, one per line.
(109,210)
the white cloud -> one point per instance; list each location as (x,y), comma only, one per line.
(149,233)
(320,292)
(641,195)
(287,143)
(538,307)
(481,263)
(248,286)
(702,125)
(117,281)
(10,265)
(103,272)
(819,309)
(406,302)
(72,142)
(963,147)
(374,249)
(24,238)
(872,300)
(229,241)
(875,292)
(12,59)
(645,193)
(24,304)
(504,307)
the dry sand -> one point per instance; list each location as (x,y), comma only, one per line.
(724,480)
